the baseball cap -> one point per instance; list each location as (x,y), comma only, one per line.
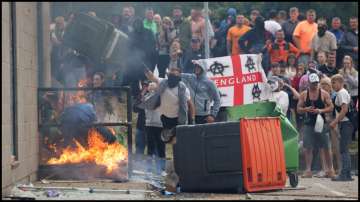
(314,78)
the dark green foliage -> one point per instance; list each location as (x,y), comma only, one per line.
(105,9)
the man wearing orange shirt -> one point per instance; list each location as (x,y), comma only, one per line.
(303,35)
(279,50)
(234,34)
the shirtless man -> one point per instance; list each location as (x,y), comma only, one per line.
(197,24)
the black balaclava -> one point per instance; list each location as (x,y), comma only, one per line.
(321,30)
(173,80)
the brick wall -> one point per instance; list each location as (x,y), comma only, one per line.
(26,84)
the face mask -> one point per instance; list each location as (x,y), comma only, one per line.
(173,80)
(321,31)
(274,85)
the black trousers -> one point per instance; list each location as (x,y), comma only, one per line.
(155,145)
(169,123)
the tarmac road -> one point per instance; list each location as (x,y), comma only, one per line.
(310,189)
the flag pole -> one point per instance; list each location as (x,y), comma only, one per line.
(207,48)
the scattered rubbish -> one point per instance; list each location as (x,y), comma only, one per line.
(167,193)
(90,190)
(52,193)
(17,193)
(44,181)
(248,196)
(126,191)
(294,188)
(78,181)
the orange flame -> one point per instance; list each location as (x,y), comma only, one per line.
(98,152)
(82,83)
(79,96)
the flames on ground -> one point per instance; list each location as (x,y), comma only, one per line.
(98,152)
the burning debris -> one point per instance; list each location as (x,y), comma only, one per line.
(98,152)
(79,146)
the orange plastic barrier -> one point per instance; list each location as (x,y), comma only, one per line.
(262,154)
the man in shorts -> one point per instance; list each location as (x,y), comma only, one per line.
(312,102)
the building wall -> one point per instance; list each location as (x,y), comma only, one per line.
(26,84)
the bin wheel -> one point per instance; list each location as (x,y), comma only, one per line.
(294,179)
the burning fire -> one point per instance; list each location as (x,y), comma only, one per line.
(79,96)
(98,152)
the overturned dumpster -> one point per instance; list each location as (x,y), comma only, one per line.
(238,156)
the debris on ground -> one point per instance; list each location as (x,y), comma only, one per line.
(17,193)
(248,196)
(52,193)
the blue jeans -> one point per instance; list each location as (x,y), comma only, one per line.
(345,129)
(159,164)
(140,141)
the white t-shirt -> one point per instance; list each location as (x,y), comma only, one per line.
(272,26)
(282,100)
(169,104)
(342,96)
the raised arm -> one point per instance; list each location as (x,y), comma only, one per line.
(149,75)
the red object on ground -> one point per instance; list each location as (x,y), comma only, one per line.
(262,154)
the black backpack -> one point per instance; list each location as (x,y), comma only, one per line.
(352,114)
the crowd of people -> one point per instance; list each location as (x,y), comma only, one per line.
(311,63)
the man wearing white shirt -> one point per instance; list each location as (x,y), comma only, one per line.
(342,102)
(271,25)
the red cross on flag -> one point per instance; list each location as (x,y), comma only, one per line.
(239,78)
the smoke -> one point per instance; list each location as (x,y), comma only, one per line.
(80,53)
(148,169)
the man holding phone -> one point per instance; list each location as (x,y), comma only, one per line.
(312,102)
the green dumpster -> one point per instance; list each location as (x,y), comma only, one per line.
(289,133)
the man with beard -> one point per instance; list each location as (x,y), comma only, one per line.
(324,40)
(182,27)
(126,21)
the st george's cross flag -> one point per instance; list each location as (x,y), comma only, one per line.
(239,78)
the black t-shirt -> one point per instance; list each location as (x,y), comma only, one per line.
(328,71)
